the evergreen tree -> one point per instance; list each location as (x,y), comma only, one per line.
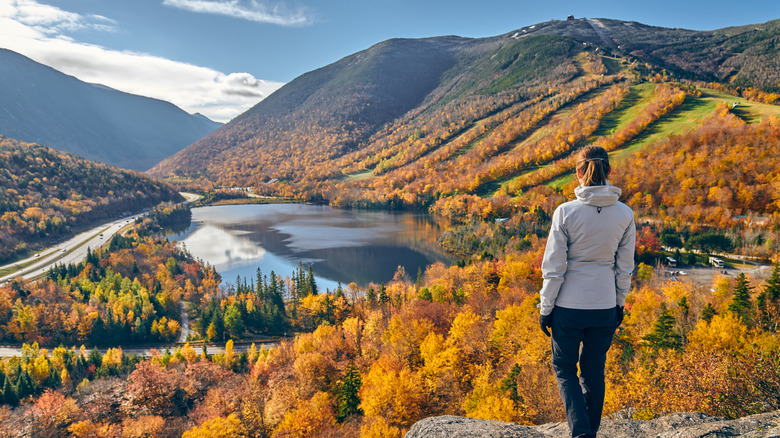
(98,334)
(10,396)
(509,384)
(741,304)
(348,399)
(683,306)
(259,284)
(219,324)
(95,357)
(312,284)
(54,380)
(25,385)
(663,334)
(384,298)
(275,291)
(708,312)
(371,295)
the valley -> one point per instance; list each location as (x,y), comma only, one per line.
(477,136)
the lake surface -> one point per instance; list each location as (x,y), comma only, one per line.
(339,245)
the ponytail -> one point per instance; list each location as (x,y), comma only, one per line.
(593,164)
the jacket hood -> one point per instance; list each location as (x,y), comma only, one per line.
(598,196)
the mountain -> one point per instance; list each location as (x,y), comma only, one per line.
(42,105)
(411,123)
(333,110)
(744,56)
(48,193)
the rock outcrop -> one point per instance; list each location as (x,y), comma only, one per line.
(678,425)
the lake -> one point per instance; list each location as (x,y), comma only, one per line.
(339,245)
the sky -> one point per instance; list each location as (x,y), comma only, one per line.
(221,57)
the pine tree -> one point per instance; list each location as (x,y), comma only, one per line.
(663,334)
(384,298)
(348,399)
(275,293)
(24,386)
(741,304)
(54,380)
(509,384)
(311,282)
(10,397)
(95,357)
(708,312)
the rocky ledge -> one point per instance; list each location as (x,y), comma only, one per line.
(678,425)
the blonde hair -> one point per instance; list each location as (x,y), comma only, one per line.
(593,164)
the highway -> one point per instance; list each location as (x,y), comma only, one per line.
(71,251)
(75,249)
(239,347)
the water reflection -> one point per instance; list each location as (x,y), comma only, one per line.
(340,245)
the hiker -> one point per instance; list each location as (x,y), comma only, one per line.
(587,270)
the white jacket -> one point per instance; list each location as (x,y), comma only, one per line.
(589,256)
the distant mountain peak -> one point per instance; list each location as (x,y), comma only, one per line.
(91,120)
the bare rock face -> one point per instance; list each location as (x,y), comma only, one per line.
(678,425)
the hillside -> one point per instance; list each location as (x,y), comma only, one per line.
(413,123)
(47,193)
(41,105)
(330,112)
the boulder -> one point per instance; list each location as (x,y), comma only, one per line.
(677,425)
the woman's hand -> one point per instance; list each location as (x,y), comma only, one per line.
(545,321)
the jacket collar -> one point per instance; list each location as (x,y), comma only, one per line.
(598,196)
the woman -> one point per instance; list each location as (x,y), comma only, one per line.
(587,273)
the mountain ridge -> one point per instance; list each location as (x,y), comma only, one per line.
(394,125)
(91,120)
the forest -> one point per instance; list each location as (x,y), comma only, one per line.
(130,292)
(489,148)
(459,340)
(48,194)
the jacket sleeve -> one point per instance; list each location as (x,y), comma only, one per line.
(624,263)
(554,263)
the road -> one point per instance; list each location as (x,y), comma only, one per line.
(238,347)
(72,251)
(75,249)
(185,323)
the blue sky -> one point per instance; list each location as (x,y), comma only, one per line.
(220,57)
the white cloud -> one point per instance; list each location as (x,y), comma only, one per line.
(36,31)
(249,10)
(51,20)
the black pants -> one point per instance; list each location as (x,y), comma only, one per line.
(583,396)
